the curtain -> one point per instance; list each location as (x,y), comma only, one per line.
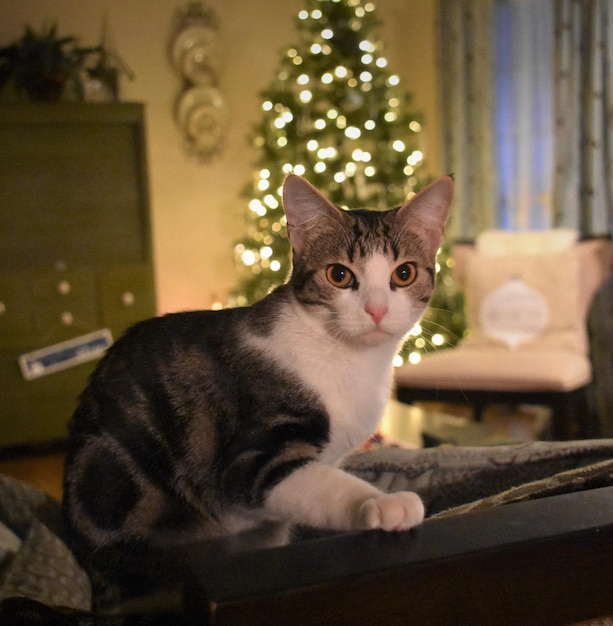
(526,113)
(465,37)
(583,186)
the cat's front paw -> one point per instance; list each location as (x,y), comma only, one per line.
(392,511)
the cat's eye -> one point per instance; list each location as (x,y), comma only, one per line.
(340,276)
(404,275)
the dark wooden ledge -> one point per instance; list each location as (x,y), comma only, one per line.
(542,562)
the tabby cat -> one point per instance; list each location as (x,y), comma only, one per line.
(208,424)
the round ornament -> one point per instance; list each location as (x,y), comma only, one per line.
(514,313)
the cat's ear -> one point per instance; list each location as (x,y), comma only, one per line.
(428,210)
(305,208)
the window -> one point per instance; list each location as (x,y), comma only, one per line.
(524,112)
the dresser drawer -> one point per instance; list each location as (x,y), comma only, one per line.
(16,318)
(64,305)
(15,419)
(37,410)
(58,321)
(79,285)
(126,296)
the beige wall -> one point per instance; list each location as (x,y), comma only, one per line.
(197,211)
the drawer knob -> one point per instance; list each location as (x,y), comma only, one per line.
(63,287)
(67,318)
(127,298)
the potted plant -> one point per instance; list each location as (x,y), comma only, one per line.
(41,64)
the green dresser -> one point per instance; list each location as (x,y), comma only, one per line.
(75,249)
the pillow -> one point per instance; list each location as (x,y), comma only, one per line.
(523,300)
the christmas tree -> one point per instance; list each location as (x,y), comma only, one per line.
(335,115)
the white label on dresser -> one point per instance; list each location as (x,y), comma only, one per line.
(61,356)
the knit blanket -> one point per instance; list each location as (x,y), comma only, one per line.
(453,480)
(34,560)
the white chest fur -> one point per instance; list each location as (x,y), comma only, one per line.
(353,382)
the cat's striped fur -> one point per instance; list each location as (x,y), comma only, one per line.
(201,425)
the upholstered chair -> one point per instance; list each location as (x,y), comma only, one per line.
(527,299)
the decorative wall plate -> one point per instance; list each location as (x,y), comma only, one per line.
(197,98)
(198,40)
(201,112)
(199,66)
(194,53)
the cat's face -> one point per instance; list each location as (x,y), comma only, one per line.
(368,276)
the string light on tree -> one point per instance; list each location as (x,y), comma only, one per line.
(334,114)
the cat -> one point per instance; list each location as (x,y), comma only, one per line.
(207,424)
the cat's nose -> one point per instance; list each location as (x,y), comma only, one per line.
(376,312)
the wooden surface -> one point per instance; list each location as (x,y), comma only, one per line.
(543,562)
(44,470)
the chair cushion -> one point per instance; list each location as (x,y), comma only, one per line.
(490,368)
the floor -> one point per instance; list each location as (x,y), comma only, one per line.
(441,423)
(43,471)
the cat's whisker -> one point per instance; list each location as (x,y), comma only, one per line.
(440,326)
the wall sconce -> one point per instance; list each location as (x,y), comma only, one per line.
(200,111)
